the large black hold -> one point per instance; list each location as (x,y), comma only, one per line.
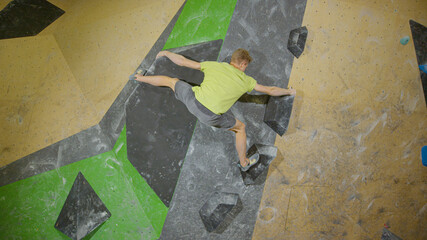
(419,34)
(266,156)
(220,210)
(22,18)
(158,126)
(296,41)
(278,113)
(83,211)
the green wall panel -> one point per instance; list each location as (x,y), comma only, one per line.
(201,21)
(31,206)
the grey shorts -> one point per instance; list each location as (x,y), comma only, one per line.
(185,94)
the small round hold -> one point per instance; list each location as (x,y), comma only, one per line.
(404,40)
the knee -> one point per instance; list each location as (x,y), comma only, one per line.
(172,83)
(240,126)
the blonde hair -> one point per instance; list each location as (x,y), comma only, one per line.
(241,55)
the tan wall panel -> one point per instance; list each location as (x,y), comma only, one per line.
(40,97)
(23,62)
(103,51)
(64,80)
(3,3)
(64,4)
(350,161)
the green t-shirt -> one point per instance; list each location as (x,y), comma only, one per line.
(222,86)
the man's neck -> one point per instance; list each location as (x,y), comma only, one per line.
(234,65)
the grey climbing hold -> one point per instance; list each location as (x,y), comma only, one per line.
(132,77)
(220,210)
(83,211)
(296,41)
(387,235)
(266,155)
(278,113)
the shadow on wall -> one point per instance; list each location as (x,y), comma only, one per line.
(296,113)
(263,99)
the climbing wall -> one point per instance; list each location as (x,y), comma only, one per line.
(348,165)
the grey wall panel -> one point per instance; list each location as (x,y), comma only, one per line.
(262,27)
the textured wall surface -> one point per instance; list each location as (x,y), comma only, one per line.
(41,103)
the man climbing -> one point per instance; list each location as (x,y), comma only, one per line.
(223,84)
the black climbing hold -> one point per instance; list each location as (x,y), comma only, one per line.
(22,18)
(220,210)
(83,211)
(387,235)
(296,41)
(278,113)
(419,35)
(266,156)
